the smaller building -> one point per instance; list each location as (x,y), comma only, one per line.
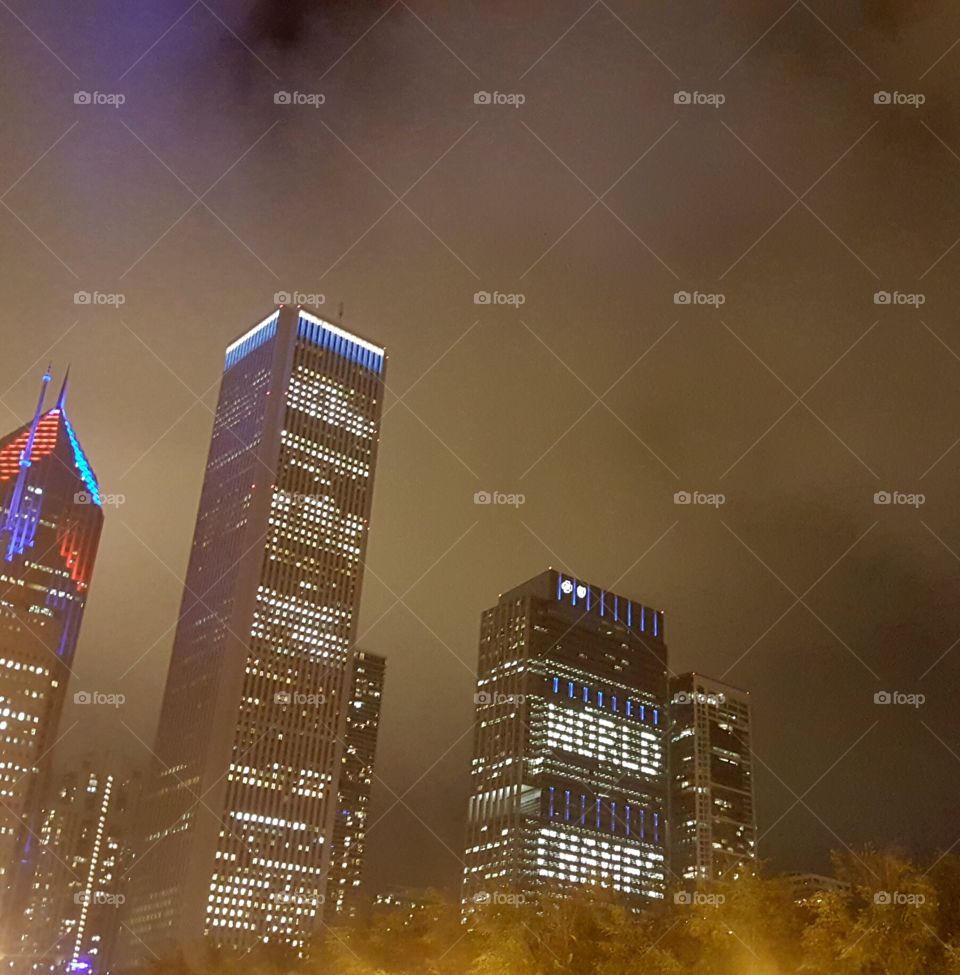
(356,780)
(809,886)
(713,824)
(83,857)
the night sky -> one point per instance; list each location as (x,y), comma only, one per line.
(597,398)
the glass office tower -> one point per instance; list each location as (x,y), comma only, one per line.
(569,767)
(236,846)
(50,522)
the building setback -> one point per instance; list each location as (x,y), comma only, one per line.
(85,851)
(569,766)
(713,825)
(50,522)
(240,811)
(356,780)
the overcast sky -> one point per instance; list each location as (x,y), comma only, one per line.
(786,189)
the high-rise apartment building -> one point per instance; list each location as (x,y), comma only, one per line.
(79,886)
(356,781)
(50,522)
(713,825)
(569,766)
(240,814)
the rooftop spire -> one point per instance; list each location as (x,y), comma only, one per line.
(62,398)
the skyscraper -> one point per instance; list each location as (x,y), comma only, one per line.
(568,775)
(84,854)
(241,809)
(712,820)
(356,780)
(50,521)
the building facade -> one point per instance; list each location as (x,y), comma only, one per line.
(50,522)
(240,812)
(84,855)
(569,761)
(356,781)
(713,824)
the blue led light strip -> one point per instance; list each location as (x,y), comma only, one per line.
(253,339)
(80,458)
(334,338)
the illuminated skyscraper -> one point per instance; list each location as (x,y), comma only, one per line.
(84,854)
(50,521)
(712,820)
(568,775)
(356,780)
(240,812)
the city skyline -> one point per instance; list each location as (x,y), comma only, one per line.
(704,354)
